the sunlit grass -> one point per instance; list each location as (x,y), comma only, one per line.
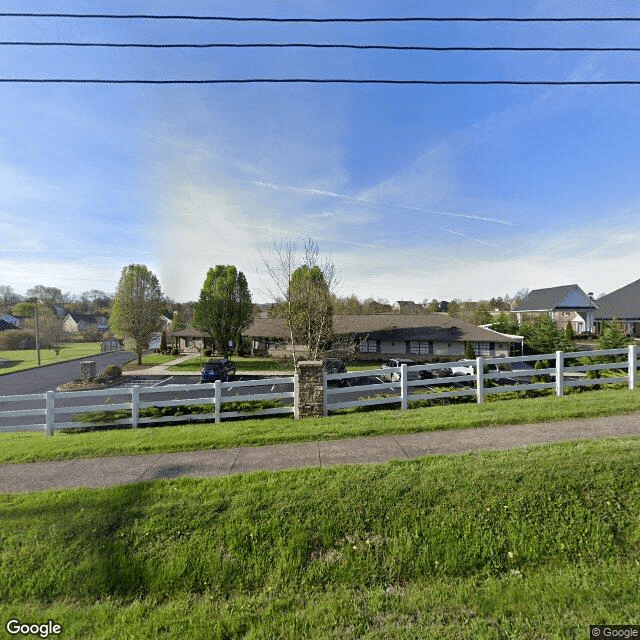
(33,446)
(521,544)
(21,359)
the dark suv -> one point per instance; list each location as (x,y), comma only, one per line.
(333,365)
(214,370)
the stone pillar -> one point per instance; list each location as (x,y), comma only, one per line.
(88,370)
(309,390)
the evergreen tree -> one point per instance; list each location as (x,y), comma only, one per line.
(224,308)
(612,335)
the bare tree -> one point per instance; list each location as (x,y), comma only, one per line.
(52,333)
(301,284)
(8,297)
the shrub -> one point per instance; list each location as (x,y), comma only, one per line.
(208,353)
(175,351)
(17,339)
(112,372)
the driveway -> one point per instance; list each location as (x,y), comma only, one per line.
(49,377)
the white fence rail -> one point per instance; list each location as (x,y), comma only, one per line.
(56,407)
(405,384)
(54,410)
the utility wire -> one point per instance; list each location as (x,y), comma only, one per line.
(322,81)
(144,16)
(310,45)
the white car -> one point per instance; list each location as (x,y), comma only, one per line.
(397,362)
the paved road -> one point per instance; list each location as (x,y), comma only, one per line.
(50,377)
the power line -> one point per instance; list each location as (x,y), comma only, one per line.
(321,81)
(144,16)
(311,45)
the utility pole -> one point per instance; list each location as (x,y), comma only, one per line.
(37,333)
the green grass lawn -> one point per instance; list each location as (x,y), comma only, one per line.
(33,446)
(242,364)
(262,364)
(150,360)
(538,543)
(21,359)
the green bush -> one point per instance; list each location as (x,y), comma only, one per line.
(13,339)
(175,351)
(208,353)
(112,372)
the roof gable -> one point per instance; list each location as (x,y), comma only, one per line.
(621,303)
(565,297)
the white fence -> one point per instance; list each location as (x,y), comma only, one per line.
(55,404)
(401,385)
(358,389)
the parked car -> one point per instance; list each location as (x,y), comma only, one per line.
(333,365)
(230,367)
(214,370)
(397,362)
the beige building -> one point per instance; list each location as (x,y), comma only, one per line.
(422,337)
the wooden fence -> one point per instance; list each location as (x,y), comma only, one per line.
(356,389)
(55,404)
(567,371)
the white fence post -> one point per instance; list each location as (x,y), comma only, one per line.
(403,387)
(559,373)
(217,389)
(135,405)
(480,379)
(50,408)
(633,371)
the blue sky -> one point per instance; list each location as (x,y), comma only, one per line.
(415,192)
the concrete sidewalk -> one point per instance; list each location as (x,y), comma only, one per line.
(104,472)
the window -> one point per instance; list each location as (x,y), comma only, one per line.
(368,346)
(484,348)
(419,347)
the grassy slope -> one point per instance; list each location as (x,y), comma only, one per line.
(522,544)
(27,359)
(32,446)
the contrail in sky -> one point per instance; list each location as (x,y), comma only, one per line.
(342,196)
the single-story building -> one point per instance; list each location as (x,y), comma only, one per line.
(567,304)
(188,339)
(623,305)
(425,337)
(77,322)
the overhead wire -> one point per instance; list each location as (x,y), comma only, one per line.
(300,80)
(311,45)
(148,16)
(387,81)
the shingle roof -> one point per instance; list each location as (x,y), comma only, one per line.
(429,326)
(4,326)
(621,303)
(569,296)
